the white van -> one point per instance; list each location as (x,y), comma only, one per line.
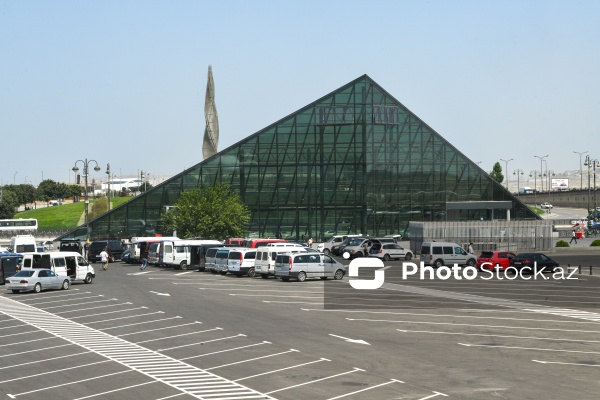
(240,261)
(62,263)
(265,256)
(23,244)
(445,253)
(307,265)
(184,254)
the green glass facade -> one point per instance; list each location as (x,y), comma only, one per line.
(354,161)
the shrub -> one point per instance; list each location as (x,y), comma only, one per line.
(562,243)
(595,243)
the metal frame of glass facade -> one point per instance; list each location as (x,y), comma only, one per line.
(354,161)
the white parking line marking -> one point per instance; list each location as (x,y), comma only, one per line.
(110,312)
(141,323)
(291,302)
(126,317)
(54,371)
(47,359)
(52,294)
(78,304)
(566,363)
(206,341)
(282,369)
(72,383)
(253,359)
(35,350)
(316,380)
(453,316)
(500,336)
(159,329)
(24,341)
(224,351)
(283,295)
(121,389)
(473,325)
(263,290)
(183,334)
(184,273)
(365,389)
(527,348)
(18,333)
(436,394)
(14,326)
(63,300)
(93,308)
(96,341)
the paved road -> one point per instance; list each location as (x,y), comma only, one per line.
(161,334)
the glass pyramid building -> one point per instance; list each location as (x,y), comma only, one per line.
(354,161)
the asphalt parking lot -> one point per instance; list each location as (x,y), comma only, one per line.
(160,333)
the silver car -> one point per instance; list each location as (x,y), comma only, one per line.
(37,280)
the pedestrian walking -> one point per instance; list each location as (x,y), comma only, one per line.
(310,241)
(104,258)
(470,248)
(573,237)
(144,263)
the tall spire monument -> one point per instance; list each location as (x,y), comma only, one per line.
(211,130)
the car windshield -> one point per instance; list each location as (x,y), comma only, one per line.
(356,242)
(486,254)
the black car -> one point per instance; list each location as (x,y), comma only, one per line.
(534,261)
(115,250)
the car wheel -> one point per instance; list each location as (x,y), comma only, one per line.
(408,256)
(183,265)
(301,276)
(15,291)
(65,285)
(251,273)
(264,276)
(438,263)
(326,252)
(88,278)
(386,257)
(37,288)
(471,262)
(339,274)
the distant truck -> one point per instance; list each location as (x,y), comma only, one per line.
(526,190)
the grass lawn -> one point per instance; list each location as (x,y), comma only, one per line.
(66,216)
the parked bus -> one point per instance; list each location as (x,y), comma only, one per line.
(21,225)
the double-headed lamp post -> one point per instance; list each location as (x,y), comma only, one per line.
(593,164)
(518,172)
(580,168)
(85,193)
(541,170)
(506,170)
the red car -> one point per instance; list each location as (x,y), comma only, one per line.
(491,259)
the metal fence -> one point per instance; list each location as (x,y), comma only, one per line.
(486,235)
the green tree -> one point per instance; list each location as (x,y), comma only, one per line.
(496,173)
(209,212)
(9,203)
(48,190)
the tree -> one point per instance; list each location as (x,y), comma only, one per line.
(9,203)
(496,173)
(209,212)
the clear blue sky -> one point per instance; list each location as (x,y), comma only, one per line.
(123,82)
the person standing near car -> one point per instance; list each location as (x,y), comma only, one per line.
(470,249)
(104,258)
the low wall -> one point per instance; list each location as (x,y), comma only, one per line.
(572,198)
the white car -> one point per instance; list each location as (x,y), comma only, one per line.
(388,251)
(546,206)
(36,280)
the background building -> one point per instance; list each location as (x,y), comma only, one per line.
(355,160)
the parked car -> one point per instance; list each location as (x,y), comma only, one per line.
(388,251)
(115,249)
(546,206)
(240,261)
(445,253)
(534,261)
(301,266)
(126,257)
(36,280)
(493,259)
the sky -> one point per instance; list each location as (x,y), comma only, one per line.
(123,82)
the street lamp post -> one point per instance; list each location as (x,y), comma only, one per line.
(108,184)
(15,177)
(541,171)
(85,193)
(580,169)
(518,172)
(534,174)
(591,164)
(506,164)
